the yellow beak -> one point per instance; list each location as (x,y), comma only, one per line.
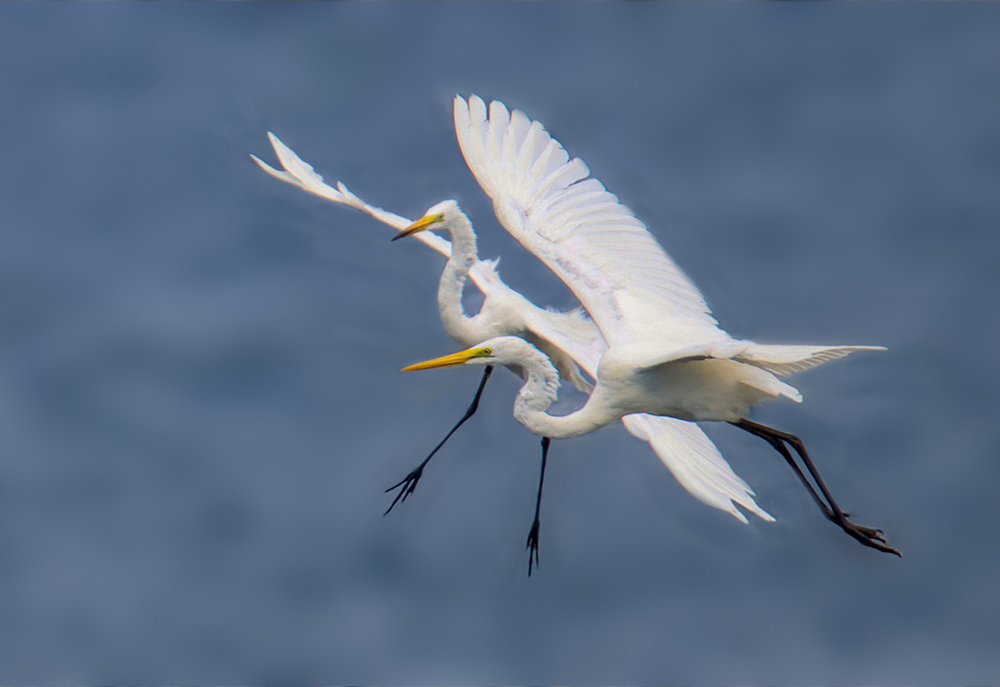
(459,358)
(420,225)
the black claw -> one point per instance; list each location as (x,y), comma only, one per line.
(532,545)
(869,536)
(536,523)
(408,484)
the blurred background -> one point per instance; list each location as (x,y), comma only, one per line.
(200,401)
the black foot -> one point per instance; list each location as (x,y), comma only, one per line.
(869,536)
(409,483)
(533,545)
(536,524)
(405,486)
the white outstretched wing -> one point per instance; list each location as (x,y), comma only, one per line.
(784,360)
(629,285)
(696,463)
(300,173)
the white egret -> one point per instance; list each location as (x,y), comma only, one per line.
(666,354)
(566,337)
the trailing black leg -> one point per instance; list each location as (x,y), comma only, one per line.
(533,534)
(780,447)
(868,536)
(409,483)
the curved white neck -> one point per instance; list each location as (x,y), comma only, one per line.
(541,389)
(464,255)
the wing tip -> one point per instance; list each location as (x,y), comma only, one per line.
(750,505)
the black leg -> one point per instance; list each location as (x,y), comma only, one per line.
(780,447)
(533,534)
(868,536)
(409,483)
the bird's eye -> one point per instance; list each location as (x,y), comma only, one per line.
(486,352)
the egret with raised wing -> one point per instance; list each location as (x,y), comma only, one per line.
(666,355)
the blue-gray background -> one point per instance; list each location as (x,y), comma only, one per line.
(200,401)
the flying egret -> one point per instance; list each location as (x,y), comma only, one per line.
(666,354)
(567,337)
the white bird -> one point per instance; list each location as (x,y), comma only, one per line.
(566,337)
(666,354)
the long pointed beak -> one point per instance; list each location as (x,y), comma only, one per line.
(420,225)
(459,358)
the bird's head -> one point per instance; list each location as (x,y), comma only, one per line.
(542,387)
(501,350)
(437,217)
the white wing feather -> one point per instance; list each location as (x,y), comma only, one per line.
(785,360)
(300,173)
(696,463)
(629,285)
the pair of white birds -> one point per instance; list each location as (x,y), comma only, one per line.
(658,358)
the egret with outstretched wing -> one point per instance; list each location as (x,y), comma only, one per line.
(666,354)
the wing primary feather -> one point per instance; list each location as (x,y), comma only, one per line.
(695,462)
